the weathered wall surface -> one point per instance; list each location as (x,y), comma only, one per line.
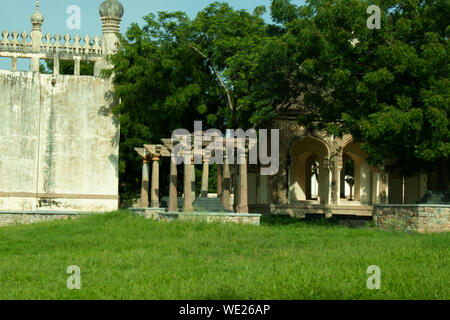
(420,218)
(161,215)
(59,143)
(16,219)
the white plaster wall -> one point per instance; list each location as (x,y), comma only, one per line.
(75,164)
(19,126)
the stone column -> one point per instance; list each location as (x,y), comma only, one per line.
(77,66)
(243,187)
(187,200)
(36,36)
(145,184)
(336,180)
(219,181)
(155,183)
(14,64)
(342,181)
(173,197)
(205,177)
(193,180)
(226,186)
(325,181)
(111,13)
(56,64)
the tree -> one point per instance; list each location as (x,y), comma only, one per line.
(390,89)
(174,70)
(67,67)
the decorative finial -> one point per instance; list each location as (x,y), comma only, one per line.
(36,18)
(111,9)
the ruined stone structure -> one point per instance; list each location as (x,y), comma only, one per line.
(318,174)
(59,149)
(313,178)
(59,141)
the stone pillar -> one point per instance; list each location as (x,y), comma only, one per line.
(205,177)
(336,180)
(325,181)
(342,181)
(56,65)
(155,183)
(77,66)
(36,36)
(243,187)
(187,200)
(235,186)
(375,197)
(219,181)
(226,186)
(111,13)
(193,181)
(173,197)
(14,64)
(145,184)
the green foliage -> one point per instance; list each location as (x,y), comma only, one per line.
(391,90)
(67,67)
(174,70)
(122,256)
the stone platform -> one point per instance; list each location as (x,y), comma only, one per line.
(225,217)
(301,209)
(8,218)
(423,218)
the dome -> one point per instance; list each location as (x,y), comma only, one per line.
(37,17)
(111,9)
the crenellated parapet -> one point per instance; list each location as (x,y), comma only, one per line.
(37,46)
(16,42)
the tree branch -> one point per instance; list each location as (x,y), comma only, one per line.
(222,83)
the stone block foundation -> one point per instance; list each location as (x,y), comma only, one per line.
(30,217)
(226,217)
(423,218)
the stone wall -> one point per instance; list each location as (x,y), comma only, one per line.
(161,215)
(8,219)
(59,143)
(420,218)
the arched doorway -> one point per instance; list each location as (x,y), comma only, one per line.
(309,179)
(347,181)
(362,175)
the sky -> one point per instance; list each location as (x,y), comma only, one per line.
(15,15)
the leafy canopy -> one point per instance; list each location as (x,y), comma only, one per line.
(390,88)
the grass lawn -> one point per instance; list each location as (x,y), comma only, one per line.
(123,256)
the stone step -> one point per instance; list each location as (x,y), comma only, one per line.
(209,204)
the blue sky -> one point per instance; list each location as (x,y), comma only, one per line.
(15,14)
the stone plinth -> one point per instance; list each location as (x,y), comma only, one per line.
(226,217)
(420,218)
(9,218)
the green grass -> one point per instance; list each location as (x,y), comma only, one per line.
(122,256)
